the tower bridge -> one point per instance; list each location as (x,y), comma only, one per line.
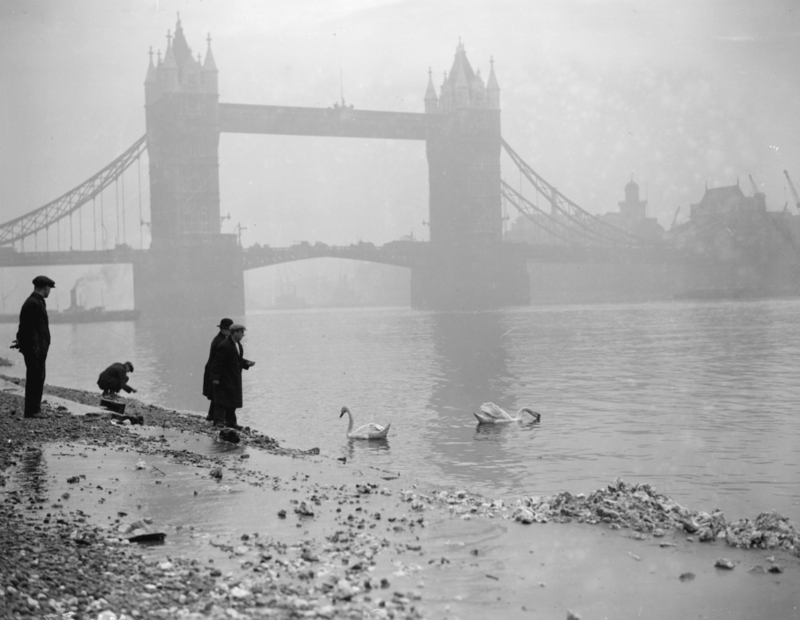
(466,263)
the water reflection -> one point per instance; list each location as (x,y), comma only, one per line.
(489,432)
(495,432)
(472,363)
(33,472)
(365,450)
(472,360)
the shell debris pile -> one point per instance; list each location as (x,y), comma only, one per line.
(641,508)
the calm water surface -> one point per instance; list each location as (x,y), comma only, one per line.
(698,399)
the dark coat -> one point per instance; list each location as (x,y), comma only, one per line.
(114,378)
(227,369)
(33,336)
(208,386)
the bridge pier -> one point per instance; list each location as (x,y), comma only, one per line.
(195,275)
(471,278)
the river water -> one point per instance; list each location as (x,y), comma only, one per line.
(697,398)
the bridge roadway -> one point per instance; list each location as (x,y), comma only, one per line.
(340,122)
(399,253)
(120,254)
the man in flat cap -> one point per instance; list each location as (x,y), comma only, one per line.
(226,376)
(33,341)
(208,387)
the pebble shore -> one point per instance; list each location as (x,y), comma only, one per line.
(56,561)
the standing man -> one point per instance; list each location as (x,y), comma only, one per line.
(208,386)
(226,376)
(33,341)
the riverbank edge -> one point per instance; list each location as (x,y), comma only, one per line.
(57,563)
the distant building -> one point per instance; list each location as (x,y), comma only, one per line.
(632,216)
(724,200)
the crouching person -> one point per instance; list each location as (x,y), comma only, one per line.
(115,378)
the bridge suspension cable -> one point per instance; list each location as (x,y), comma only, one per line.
(566,222)
(559,229)
(63,207)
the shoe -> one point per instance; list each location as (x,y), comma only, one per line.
(218,424)
(38,414)
(236,427)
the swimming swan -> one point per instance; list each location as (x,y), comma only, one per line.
(492,414)
(368,431)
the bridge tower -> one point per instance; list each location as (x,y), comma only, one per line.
(470,266)
(189,258)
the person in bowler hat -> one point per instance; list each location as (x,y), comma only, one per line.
(226,376)
(208,387)
(33,341)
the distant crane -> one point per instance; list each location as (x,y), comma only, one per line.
(753,185)
(675,218)
(794,190)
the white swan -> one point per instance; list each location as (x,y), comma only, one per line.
(492,414)
(368,431)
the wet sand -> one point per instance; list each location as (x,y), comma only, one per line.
(322,539)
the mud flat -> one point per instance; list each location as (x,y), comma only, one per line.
(257,529)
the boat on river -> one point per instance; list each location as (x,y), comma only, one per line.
(81,315)
(78,313)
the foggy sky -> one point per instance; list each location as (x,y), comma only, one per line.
(677,93)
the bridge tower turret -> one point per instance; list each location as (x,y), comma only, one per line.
(466,224)
(431,100)
(188,253)
(182,115)
(464,157)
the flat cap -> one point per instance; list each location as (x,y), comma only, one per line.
(40,281)
(237,328)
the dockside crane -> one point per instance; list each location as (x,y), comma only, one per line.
(753,185)
(794,190)
(675,218)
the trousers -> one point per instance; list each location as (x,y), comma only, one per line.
(226,415)
(34,382)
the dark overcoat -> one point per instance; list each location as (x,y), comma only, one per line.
(226,368)
(208,386)
(33,336)
(114,378)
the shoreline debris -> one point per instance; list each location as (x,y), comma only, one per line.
(640,508)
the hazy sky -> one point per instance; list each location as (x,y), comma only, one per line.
(679,93)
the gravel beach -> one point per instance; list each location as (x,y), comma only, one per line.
(55,561)
(337,543)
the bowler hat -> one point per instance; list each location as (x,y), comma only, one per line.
(40,281)
(225,324)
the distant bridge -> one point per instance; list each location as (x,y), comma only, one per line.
(466,262)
